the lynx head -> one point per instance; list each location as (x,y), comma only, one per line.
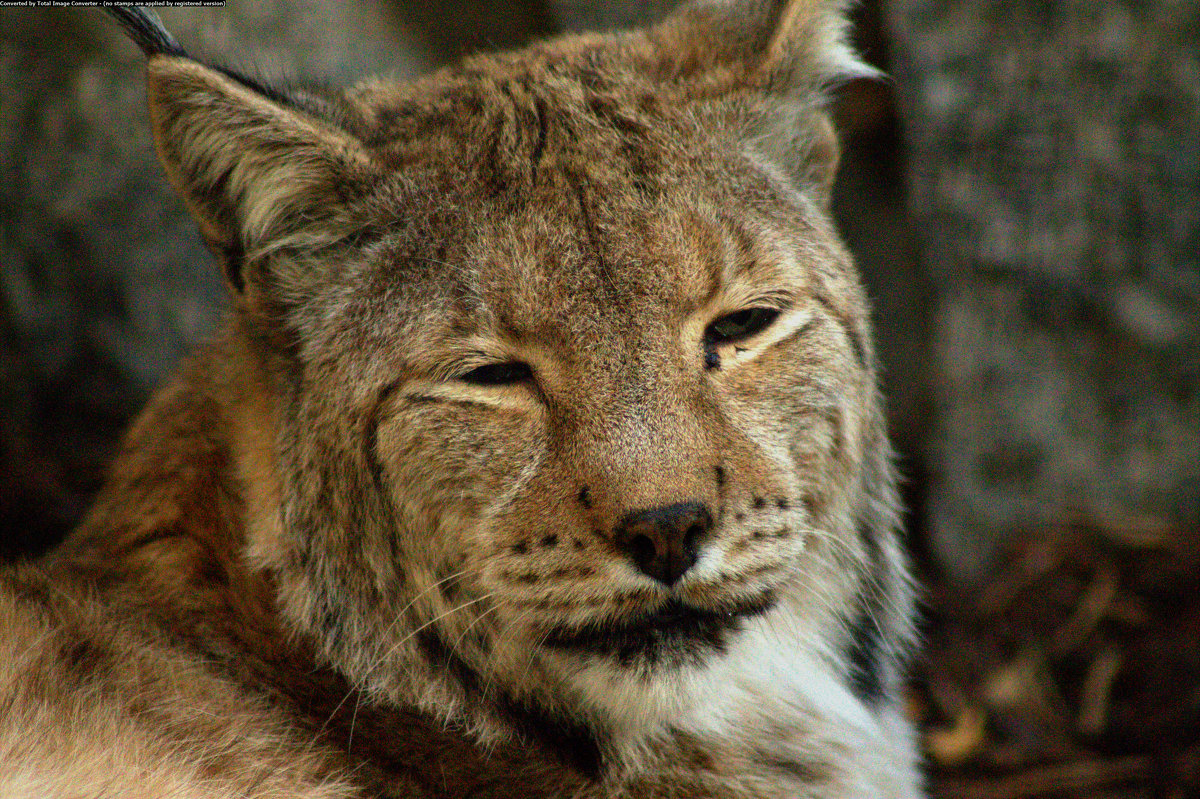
(569,373)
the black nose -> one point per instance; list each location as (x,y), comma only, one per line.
(663,541)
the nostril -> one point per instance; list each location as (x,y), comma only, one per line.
(691,539)
(642,550)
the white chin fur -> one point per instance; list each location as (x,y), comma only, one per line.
(773,658)
(774,683)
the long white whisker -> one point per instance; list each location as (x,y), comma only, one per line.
(532,650)
(399,616)
(353,721)
(425,626)
(476,620)
(420,594)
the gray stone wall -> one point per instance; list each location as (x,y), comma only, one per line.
(1054,165)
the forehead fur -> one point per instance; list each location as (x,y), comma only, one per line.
(598,106)
(577,170)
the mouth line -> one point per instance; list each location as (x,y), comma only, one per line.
(675,626)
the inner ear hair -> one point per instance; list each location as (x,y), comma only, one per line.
(817,155)
(800,141)
(254,170)
(812,37)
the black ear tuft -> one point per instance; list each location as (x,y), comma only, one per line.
(146,30)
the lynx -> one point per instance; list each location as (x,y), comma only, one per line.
(541,456)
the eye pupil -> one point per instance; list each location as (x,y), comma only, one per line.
(498,374)
(739,325)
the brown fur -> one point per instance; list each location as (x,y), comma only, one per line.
(332,561)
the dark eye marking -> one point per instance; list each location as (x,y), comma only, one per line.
(847,324)
(739,326)
(498,374)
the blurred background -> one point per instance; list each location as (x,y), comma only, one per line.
(1023,198)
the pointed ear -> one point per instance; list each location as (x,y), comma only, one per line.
(776,44)
(256,171)
(792,52)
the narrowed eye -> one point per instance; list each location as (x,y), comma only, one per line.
(498,374)
(740,325)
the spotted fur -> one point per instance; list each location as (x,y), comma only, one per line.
(542,455)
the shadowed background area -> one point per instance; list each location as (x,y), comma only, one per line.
(1023,199)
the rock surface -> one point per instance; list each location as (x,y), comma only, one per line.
(1054,163)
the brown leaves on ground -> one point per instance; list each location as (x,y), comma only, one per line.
(1072,671)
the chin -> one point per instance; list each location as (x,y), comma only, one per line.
(642,671)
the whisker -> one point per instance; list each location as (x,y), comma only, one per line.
(531,651)
(416,598)
(426,626)
(386,631)
(479,618)
(424,591)
(353,721)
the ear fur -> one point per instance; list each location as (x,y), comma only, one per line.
(255,172)
(792,51)
(778,45)
(802,140)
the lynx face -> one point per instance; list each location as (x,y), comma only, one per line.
(617,429)
(568,372)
